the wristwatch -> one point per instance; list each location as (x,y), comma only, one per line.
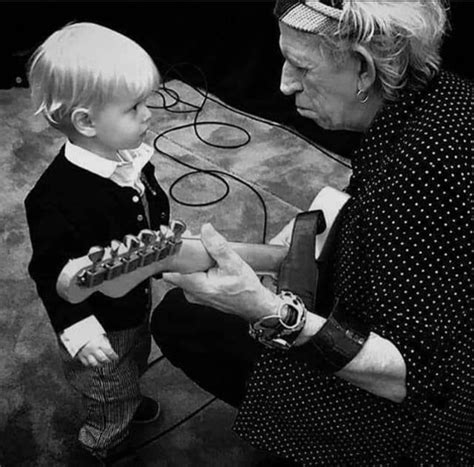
(280,330)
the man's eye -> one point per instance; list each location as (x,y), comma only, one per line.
(297,67)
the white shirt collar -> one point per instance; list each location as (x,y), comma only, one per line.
(125,172)
(87,160)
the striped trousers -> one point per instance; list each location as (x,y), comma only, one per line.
(111,393)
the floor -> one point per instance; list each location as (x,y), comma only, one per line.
(39,415)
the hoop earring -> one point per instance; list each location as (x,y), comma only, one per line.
(363,96)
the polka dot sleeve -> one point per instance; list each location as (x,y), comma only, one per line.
(418,264)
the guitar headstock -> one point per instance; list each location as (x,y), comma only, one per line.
(116,269)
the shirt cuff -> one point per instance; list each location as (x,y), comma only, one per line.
(78,335)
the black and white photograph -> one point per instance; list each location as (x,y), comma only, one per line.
(236,234)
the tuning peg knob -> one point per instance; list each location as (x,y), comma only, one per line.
(165,232)
(131,242)
(147,237)
(114,248)
(95,254)
(178,228)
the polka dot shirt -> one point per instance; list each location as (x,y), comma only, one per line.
(401,264)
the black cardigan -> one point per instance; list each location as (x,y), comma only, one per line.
(68,211)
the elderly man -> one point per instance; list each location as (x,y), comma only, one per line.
(384,375)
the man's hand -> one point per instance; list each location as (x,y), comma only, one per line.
(97,352)
(230,286)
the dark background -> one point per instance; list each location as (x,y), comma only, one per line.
(235,44)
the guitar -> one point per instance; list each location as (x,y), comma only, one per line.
(116,269)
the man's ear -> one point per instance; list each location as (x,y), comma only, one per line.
(367,72)
(82,122)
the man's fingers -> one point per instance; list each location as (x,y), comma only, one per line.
(196,280)
(217,247)
(174,278)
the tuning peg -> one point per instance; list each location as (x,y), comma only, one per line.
(94,275)
(166,232)
(178,227)
(150,252)
(131,259)
(159,245)
(166,244)
(114,248)
(113,266)
(147,237)
(95,254)
(131,242)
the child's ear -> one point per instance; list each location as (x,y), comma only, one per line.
(82,122)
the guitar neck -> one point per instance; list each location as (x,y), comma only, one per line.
(116,272)
(189,257)
(193,257)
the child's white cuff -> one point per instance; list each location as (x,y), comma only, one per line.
(79,334)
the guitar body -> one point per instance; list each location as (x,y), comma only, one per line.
(117,269)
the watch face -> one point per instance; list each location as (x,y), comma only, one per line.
(268,327)
(281,330)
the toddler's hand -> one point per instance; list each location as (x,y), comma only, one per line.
(97,352)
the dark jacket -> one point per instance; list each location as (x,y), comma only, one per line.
(68,211)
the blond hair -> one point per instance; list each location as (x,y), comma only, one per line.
(403,37)
(85,64)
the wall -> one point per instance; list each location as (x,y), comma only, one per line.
(235,44)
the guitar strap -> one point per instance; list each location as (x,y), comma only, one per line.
(342,336)
(299,271)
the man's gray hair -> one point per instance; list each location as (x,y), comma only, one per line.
(403,37)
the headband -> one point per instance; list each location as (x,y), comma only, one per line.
(311,16)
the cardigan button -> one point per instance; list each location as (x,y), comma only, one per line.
(135,199)
(140,217)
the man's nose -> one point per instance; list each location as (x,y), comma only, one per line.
(290,82)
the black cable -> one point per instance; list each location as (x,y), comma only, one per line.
(217,174)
